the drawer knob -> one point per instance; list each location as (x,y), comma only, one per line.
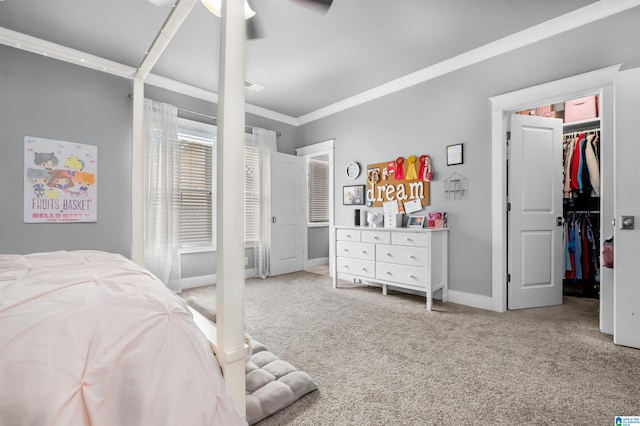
(388,254)
(388,273)
(364,269)
(412,257)
(376,238)
(412,277)
(408,239)
(346,250)
(364,252)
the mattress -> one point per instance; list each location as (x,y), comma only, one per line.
(90,338)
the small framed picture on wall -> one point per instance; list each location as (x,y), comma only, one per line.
(353,195)
(454,154)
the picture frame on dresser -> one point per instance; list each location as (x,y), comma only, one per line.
(415,222)
(353,195)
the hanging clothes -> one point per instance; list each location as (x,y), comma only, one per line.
(581,164)
(582,258)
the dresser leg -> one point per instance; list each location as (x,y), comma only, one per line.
(384,289)
(429,302)
(445,295)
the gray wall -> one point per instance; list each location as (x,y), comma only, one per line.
(52,99)
(55,100)
(318,242)
(455,108)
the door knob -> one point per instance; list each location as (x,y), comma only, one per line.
(559,221)
(274,219)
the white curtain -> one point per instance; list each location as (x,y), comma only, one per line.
(264,141)
(161,239)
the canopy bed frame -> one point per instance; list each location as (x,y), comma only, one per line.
(228,338)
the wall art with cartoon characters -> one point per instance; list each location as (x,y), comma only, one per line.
(402,180)
(60,181)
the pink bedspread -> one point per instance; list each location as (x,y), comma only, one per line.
(90,338)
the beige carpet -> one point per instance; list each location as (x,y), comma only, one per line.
(385,360)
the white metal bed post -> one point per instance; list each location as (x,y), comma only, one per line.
(137,173)
(230,217)
(231,349)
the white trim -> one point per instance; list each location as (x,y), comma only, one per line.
(197,249)
(502,106)
(469,299)
(318,225)
(193,282)
(316,148)
(569,21)
(310,263)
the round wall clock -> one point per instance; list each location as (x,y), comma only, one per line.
(353,170)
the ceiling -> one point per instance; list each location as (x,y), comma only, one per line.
(307,60)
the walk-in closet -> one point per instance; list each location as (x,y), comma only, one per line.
(581,192)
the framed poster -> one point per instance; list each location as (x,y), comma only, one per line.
(60,181)
(353,195)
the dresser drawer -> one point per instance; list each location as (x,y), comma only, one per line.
(348,235)
(378,237)
(363,268)
(364,251)
(402,274)
(403,255)
(409,239)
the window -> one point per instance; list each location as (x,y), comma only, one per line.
(195,202)
(317,191)
(252,202)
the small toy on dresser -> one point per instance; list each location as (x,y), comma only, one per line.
(436,220)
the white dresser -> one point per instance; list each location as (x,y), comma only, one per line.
(403,258)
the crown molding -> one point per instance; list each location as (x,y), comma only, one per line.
(561,24)
(567,22)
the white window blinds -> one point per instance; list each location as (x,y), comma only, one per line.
(318,191)
(194,199)
(252,204)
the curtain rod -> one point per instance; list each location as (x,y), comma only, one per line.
(212,117)
(248,129)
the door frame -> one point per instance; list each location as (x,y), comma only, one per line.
(502,106)
(316,150)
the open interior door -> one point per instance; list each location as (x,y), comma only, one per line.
(626,268)
(287,214)
(535,258)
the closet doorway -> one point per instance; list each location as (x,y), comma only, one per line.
(503,107)
(553,186)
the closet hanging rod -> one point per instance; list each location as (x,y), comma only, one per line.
(585,132)
(583,211)
(247,129)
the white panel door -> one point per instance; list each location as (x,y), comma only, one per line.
(626,268)
(287,214)
(535,193)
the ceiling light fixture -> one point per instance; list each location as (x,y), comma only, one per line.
(215,6)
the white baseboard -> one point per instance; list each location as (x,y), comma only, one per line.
(310,263)
(473,300)
(193,282)
(186,283)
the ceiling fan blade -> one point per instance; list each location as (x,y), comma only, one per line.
(320,4)
(253,24)
(161,3)
(254,29)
